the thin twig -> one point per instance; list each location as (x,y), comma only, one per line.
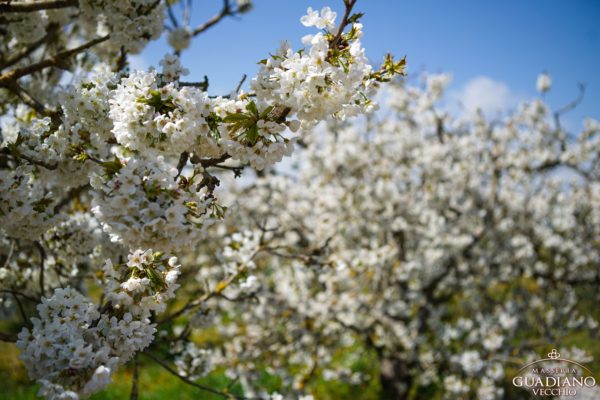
(549,165)
(301,257)
(38,162)
(42,258)
(172,15)
(349,5)
(225,11)
(11,250)
(222,285)
(21,309)
(134,380)
(237,170)
(575,102)
(17,155)
(572,105)
(187,12)
(233,382)
(188,381)
(239,86)
(192,84)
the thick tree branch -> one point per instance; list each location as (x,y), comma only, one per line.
(54,61)
(551,164)
(26,98)
(37,5)
(209,162)
(50,35)
(202,85)
(17,293)
(7,337)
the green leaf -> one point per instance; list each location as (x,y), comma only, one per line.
(252,134)
(213,121)
(251,107)
(156,278)
(233,118)
(355,17)
(265,113)
(112,167)
(162,106)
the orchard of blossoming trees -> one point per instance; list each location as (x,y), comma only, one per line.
(409,250)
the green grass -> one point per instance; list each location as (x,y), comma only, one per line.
(154,382)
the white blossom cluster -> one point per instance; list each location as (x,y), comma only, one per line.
(192,361)
(138,116)
(51,149)
(127,24)
(313,83)
(76,239)
(172,69)
(74,346)
(62,340)
(239,250)
(105,161)
(28,28)
(131,24)
(544,83)
(85,105)
(152,114)
(172,120)
(437,242)
(75,247)
(180,38)
(142,204)
(26,206)
(148,117)
(143,284)
(18,272)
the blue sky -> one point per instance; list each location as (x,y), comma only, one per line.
(504,44)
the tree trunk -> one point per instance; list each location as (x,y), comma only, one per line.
(394,378)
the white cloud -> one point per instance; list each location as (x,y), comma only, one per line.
(484,93)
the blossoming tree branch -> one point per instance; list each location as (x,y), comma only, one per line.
(108,179)
(418,250)
(442,251)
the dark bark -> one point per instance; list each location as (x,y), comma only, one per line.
(395,379)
